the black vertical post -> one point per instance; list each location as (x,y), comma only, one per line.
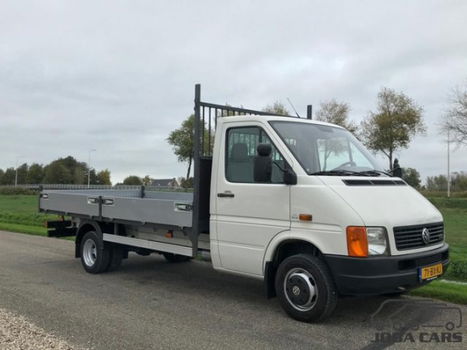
(309,112)
(209,136)
(203,125)
(39,197)
(196,175)
(100,207)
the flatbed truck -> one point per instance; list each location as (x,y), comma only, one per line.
(297,203)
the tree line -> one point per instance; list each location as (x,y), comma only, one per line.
(440,182)
(60,171)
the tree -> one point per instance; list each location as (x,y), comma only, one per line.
(182,141)
(60,171)
(459,181)
(133,180)
(436,183)
(80,174)
(336,113)
(103,177)
(22,172)
(276,108)
(146,180)
(65,171)
(35,174)
(8,177)
(411,176)
(57,173)
(393,125)
(184,183)
(455,120)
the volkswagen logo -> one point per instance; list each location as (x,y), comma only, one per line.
(426,235)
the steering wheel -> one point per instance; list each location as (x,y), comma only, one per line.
(349,163)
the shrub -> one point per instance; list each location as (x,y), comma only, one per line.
(13,191)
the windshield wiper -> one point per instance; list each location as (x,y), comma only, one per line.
(374,172)
(339,172)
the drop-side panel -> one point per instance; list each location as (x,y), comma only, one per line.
(147,210)
(174,209)
(69,203)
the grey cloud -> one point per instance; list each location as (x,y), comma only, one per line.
(118,76)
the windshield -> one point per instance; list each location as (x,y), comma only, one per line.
(326,149)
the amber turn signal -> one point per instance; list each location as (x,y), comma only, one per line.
(305,217)
(357,241)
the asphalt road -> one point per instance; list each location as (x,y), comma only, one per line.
(151,304)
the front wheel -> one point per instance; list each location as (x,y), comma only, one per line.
(95,257)
(305,288)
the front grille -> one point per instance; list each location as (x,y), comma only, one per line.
(410,237)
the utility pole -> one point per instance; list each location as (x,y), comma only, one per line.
(16,170)
(89,166)
(448,177)
(16,173)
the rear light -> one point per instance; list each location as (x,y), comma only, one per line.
(357,241)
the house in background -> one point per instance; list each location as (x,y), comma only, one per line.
(165,183)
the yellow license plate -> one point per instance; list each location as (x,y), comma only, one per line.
(431,271)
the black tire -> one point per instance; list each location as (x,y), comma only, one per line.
(95,256)
(305,288)
(175,258)
(116,257)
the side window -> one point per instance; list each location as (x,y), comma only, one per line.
(240,153)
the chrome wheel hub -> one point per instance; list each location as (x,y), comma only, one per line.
(89,252)
(300,289)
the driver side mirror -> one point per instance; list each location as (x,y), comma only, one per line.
(290,178)
(263,163)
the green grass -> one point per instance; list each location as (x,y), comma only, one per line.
(454,211)
(19,213)
(443,290)
(32,230)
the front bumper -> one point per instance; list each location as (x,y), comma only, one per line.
(382,275)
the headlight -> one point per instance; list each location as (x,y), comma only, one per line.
(377,241)
(365,241)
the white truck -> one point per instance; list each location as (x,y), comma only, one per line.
(298,203)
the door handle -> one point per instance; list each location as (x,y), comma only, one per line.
(225,195)
(107,201)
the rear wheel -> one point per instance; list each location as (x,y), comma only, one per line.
(95,257)
(305,288)
(175,258)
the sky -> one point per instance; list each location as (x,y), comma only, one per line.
(118,76)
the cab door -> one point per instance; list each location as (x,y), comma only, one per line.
(248,214)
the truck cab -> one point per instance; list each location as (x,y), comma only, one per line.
(371,233)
